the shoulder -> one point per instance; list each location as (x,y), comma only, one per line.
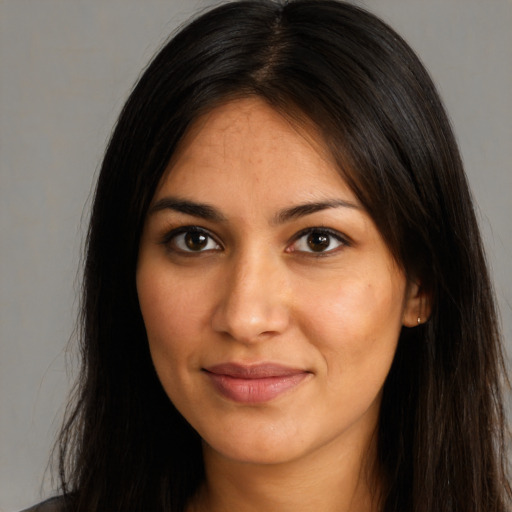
(51,505)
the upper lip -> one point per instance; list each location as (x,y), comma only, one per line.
(253,371)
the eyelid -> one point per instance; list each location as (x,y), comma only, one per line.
(171,234)
(342,238)
(168,237)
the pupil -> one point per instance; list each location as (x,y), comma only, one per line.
(195,241)
(318,241)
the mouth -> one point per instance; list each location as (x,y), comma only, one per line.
(251,384)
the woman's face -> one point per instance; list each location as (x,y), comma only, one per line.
(271,302)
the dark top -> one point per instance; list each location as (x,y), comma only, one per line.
(51,505)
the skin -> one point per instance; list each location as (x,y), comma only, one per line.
(256,292)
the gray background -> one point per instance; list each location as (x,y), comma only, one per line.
(66,67)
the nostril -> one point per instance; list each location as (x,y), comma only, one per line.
(250,321)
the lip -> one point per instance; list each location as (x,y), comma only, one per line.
(251,384)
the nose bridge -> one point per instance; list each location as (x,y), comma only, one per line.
(252,300)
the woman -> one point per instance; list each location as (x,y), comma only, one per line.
(286,303)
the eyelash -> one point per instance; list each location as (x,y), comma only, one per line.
(330,234)
(169,240)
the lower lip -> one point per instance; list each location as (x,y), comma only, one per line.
(253,391)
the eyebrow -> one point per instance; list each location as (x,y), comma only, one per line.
(302,210)
(208,212)
(202,210)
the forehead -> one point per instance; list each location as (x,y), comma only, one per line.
(248,146)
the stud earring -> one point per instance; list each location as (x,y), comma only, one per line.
(419,320)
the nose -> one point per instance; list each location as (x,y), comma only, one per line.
(252,304)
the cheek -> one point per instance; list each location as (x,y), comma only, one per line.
(173,316)
(356,304)
(169,308)
(356,322)
(356,332)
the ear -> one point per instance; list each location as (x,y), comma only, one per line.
(417,306)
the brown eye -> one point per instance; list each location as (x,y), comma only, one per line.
(190,240)
(195,241)
(318,242)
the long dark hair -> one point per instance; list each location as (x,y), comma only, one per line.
(441,444)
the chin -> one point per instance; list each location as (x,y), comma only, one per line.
(264,446)
(254,455)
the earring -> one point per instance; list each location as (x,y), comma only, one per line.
(419,320)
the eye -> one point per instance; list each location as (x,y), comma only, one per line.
(318,240)
(190,239)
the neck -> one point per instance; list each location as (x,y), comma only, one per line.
(331,480)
